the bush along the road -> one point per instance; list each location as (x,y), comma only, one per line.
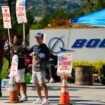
(97,65)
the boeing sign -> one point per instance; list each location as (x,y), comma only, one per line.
(84,44)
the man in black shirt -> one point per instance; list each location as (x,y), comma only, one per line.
(41,56)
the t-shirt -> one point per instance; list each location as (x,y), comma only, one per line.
(41,51)
(20,51)
(28,60)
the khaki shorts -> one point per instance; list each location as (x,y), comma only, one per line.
(38,77)
(19,78)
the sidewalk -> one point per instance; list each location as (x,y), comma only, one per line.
(80,95)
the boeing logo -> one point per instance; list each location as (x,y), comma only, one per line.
(57,44)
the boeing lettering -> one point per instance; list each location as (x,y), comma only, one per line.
(91,43)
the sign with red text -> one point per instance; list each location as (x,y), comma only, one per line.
(21,11)
(14,66)
(64,64)
(6,17)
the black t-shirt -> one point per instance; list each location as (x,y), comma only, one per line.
(20,51)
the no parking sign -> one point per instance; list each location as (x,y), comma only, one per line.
(64,64)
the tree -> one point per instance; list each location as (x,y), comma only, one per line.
(93,5)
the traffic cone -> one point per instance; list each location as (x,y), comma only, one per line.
(13,95)
(64,96)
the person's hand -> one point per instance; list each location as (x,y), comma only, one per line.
(56,66)
(30,65)
(37,59)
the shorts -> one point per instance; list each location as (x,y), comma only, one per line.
(38,77)
(37,67)
(19,78)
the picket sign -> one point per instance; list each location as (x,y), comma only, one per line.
(64,64)
(14,66)
(21,14)
(21,11)
(7,20)
(6,17)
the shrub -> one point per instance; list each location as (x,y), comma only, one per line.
(97,65)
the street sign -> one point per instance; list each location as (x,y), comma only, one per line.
(21,11)
(6,17)
(64,64)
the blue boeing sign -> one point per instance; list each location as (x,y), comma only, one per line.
(57,42)
(91,43)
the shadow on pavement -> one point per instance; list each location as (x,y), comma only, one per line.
(86,102)
(55,99)
(4,98)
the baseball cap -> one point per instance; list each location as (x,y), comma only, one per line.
(39,34)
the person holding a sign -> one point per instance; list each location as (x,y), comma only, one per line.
(41,56)
(17,49)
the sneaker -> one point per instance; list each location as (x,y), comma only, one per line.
(46,80)
(51,80)
(38,101)
(23,98)
(46,102)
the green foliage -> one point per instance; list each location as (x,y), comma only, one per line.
(4,72)
(97,64)
(92,5)
(61,13)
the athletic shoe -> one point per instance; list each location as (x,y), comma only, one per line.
(23,98)
(46,102)
(51,80)
(38,101)
(46,80)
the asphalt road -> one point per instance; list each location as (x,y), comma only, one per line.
(79,95)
